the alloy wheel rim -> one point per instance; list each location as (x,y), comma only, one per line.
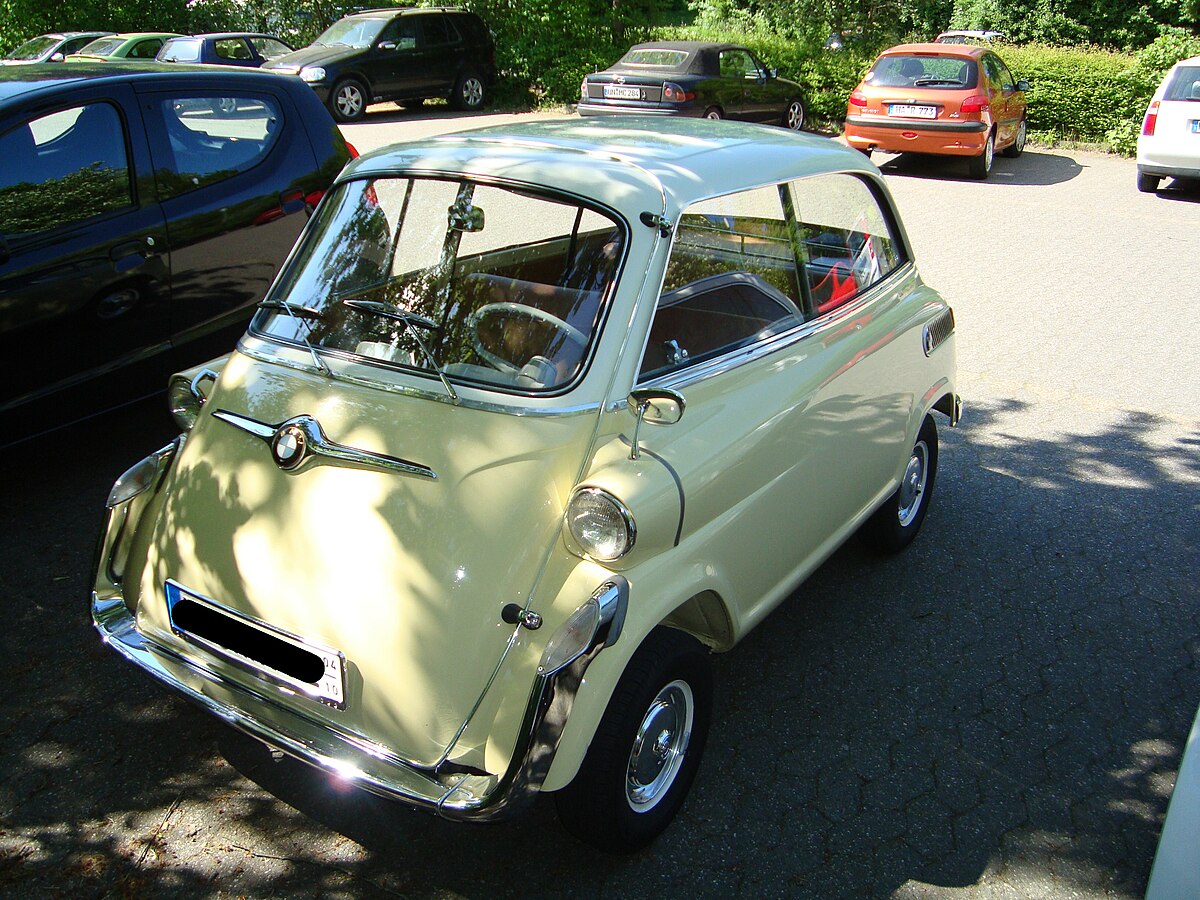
(660,746)
(795,116)
(473,91)
(349,100)
(1021,137)
(912,486)
(712,114)
(989,151)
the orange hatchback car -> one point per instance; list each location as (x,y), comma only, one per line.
(948,99)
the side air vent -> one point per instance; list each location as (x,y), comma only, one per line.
(937,331)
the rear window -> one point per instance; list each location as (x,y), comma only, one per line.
(180,50)
(659,58)
(1185,84)
(938,72)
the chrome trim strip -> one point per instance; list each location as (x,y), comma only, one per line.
(309,441)
(274,357)
(367,765)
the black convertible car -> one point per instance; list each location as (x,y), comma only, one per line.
(693,78)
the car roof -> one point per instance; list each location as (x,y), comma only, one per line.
(634,164)
(689,46)
(20,83)
(972,50)
(219,35)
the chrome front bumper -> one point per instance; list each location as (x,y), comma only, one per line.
(373,767)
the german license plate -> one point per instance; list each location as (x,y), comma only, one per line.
(1195,126)
(912,112)
(266,651)
(620,92)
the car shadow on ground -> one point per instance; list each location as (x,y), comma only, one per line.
(1033,167)
(1183,190)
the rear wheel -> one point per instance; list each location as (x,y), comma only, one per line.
(714,112)
(1148,184)
(1018,146)
(469,92)
(794,117)
(348,102)
(981,166)
(646,749)
(894,525)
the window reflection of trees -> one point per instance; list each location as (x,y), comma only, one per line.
(29,207)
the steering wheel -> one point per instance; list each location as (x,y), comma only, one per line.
(519,309)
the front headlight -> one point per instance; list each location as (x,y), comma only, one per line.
(312,74)
(600,524)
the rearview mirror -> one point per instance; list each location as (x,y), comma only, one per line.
(658,406)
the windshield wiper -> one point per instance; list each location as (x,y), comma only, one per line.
(926,82)
(411,321)
(297,312)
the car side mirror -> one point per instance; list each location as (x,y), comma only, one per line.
(57,57)
(387,45)
(658,406)
(1024,85)
(772,73)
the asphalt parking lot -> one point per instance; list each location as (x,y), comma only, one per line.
(999,712)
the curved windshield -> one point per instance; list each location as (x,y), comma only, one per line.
(358,33)
(460,281)
(33,48)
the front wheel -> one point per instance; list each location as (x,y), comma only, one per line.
(981,166)
(894,525)
(794,117)
(646,750)
(348,102)
(1017,147)
(469,92)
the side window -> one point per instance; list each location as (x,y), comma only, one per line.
(232,48)
(1006,80)
(403,32)
(74,45)
(210,139)
(846,240)
(269,48)
(435,29)
(731,281)
(738,64)
(991,65)
(146,49)
(62,168)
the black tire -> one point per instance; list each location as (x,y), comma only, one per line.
(1017,147)
(714,112)
(893,526)
(614,803)
(348,100)
(1148,184)
(469,92)
(865,151)
(793,116)
(980,166)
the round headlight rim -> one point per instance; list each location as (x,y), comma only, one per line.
(622,510)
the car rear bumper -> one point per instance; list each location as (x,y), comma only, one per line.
(272,716)
(1164,170)
(908,136)
(592,108)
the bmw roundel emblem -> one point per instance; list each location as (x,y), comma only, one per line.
(289,446)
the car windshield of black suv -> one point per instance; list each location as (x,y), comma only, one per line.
(357,33)
(464,282)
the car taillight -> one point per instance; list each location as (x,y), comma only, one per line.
(973,104)
(1151,119)
(583,89)
(673,93)
(353,150)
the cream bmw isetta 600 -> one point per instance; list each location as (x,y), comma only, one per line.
(528,404)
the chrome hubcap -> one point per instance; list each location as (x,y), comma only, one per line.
(1021,137)
(713,115)
(912,486)
(659,747)
(472,91)
(989,150)
(795,116)
(349,100)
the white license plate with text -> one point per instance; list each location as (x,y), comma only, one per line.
(912,112)
(620,92)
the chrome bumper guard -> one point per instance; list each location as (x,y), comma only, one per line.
(373,767)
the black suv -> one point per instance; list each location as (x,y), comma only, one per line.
(405,55)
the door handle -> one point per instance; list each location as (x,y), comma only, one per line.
(131,254)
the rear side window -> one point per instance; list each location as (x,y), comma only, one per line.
(1185,84)
(436,30)
(63,167)
(946,72)
(848,243)
(232,48)
(212,138)
(146,49)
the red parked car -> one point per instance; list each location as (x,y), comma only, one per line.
(947,99)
